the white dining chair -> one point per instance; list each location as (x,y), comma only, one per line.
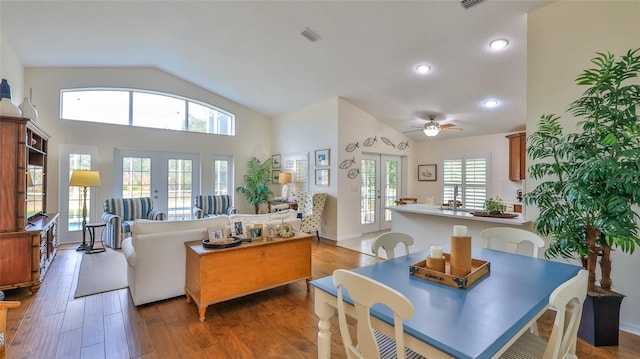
(511,239)
(388,241)
(365,292)
(568,299)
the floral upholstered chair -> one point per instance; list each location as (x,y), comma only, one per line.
(213,205)
(310,206)
(119,213)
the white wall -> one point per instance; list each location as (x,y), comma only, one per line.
(253,130)
(308,129)
(563,38)
(12,70)
(497,145)
(355,127)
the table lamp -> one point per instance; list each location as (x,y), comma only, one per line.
(84,179)
(284,178)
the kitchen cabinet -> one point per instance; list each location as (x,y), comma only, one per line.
(517,156)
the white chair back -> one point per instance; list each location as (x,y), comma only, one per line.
(388,241)
(568,299)
(366,292)
(511,239)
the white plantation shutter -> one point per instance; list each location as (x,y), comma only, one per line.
(471,175)
(298,165)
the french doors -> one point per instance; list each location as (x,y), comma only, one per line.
(380,187)
(169,178)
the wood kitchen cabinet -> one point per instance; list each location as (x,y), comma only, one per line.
(517,156)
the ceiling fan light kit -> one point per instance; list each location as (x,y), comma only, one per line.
(431,129)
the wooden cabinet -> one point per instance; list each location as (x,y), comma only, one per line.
(28,235)
(216,275)
(517,156)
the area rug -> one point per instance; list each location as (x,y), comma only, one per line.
(101,272)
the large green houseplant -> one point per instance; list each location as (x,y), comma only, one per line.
(256,188)
(589,179)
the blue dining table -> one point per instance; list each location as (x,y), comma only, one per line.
(478,322)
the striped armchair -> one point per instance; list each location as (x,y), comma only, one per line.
(119,214)
(213,205)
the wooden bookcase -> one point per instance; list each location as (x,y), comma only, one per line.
(27,243)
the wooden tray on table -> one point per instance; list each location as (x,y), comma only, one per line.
(479,269)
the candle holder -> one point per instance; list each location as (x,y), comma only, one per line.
(460,256)
(436,264)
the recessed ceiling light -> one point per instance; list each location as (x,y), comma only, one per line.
(490,103)
(423,69)
(498,44)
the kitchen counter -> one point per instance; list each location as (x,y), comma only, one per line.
(432,226)
(459,214)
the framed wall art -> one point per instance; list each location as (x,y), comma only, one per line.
(276,161)
(427,173)
(275,174)
(322,158)
(322,177)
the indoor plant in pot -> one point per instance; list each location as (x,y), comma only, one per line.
(589,181)
(256,188)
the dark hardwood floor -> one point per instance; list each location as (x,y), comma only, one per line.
(278,323)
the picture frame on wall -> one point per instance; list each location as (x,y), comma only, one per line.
(276,161)
(322,177)
(322,158)
(274,176)
(427,172)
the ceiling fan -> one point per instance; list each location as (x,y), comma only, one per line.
(432,128)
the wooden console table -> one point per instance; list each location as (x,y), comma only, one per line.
(216,275)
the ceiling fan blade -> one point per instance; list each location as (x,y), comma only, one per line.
(420,130)
(445,125)
(450,129)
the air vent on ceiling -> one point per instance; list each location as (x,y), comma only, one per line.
(469,3)
(310,35)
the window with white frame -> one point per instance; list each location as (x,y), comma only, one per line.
(471,174)
(298,165)
(144,109)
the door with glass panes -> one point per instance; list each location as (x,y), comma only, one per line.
(169,178)
(379,188)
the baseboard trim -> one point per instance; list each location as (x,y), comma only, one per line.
(630,328)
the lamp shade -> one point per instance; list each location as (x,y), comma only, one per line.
(85,179)
(284,177)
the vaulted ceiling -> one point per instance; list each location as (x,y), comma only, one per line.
(253,53)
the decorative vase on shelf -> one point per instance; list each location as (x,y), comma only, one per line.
(7,107)
(28,110)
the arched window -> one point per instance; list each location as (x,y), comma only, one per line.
(144,109)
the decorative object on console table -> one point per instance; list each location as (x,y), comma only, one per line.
(427,173)
(284,178)
(7,108)
(460,252)
(84,179)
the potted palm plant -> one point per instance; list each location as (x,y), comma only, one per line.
(589,182)
(256,188)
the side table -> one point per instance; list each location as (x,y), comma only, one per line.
(91,228)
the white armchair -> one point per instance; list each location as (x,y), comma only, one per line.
(310,206)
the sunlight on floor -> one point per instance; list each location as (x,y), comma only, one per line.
(363,243)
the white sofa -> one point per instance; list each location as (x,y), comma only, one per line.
(156,254)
